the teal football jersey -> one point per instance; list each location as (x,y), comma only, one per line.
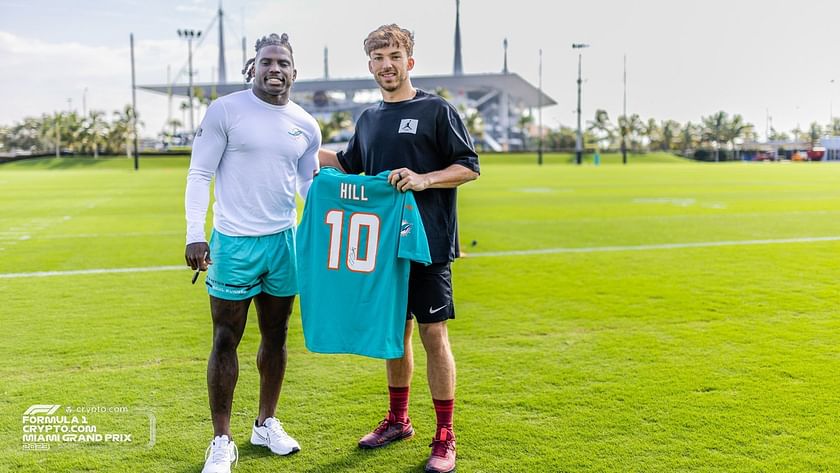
(355,243)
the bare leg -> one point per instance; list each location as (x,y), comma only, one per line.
(440,364)
(273,315)
(400,370)
(229,319)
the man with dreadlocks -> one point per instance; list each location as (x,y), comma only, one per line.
(422,141)
(262,148)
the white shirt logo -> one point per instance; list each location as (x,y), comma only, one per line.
(408,125)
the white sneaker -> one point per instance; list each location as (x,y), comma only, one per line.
(219,455)
(272,435)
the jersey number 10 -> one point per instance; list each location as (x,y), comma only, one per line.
(335,219)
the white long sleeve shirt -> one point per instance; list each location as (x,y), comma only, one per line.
(261,155)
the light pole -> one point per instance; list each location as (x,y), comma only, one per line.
(136,151)
(539,111)
(624,111)
(831,107)
(189,35)
(579,139)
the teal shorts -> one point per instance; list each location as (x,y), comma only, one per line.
(244,266)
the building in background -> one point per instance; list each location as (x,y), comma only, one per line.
(498,99)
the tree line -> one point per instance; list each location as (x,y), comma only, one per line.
(717,133)
(71,132)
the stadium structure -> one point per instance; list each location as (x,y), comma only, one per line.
(499,98)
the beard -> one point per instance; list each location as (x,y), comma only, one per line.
(393,85)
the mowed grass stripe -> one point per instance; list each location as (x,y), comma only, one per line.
(720,358)
(663,246)
(81,272)
(541,251)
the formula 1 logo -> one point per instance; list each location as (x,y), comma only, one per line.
(47,409)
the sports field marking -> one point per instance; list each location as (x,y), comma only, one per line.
(109,235)
(21,236)
(79,272)
(715,216)
(666,200)
(663,246)
(542,251)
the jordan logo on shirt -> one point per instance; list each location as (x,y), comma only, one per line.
(408,125)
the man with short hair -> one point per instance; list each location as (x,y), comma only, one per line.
(422,140)
(262,148)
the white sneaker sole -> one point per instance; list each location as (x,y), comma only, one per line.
(260,441)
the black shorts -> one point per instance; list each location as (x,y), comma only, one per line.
(430,293)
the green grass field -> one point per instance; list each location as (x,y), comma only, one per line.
(609,350)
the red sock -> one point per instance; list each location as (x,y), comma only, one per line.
(398,398)
(443,410)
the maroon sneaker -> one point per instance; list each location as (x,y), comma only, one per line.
(388,431)
(442,459)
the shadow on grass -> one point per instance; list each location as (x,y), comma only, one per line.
(350,460)
(108,162)
(555,158)
(68,163)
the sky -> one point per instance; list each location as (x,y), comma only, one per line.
(685,59)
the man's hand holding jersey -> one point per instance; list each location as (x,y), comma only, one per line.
(405,179)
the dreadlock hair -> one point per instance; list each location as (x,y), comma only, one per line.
(270,40)
(390,35)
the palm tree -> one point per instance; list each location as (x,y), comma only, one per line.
(653,133)
(51,130)
(71,128)
(175,124)
(341,120)
(670,130)
(169,136)
(715,130)
(814,133)
(601,127)
(560,139)
(833,128)
(632,128)
(750,135)
(184,107)
(121,131)
(524,123)
(797,133)
(338,121)
(93,129)
(689,137)
(474,123)
(27,135)
(777,136)
(736,129)
(443,93)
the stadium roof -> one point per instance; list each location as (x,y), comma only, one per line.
(518,88)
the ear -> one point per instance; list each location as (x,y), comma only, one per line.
(410,64)
(294,75)
(370,66)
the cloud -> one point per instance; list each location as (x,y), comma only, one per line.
(44,75)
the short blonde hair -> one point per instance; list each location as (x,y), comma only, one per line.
(390,35)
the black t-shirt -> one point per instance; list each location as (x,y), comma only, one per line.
(423,134)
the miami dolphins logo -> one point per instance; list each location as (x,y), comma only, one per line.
(405,228)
